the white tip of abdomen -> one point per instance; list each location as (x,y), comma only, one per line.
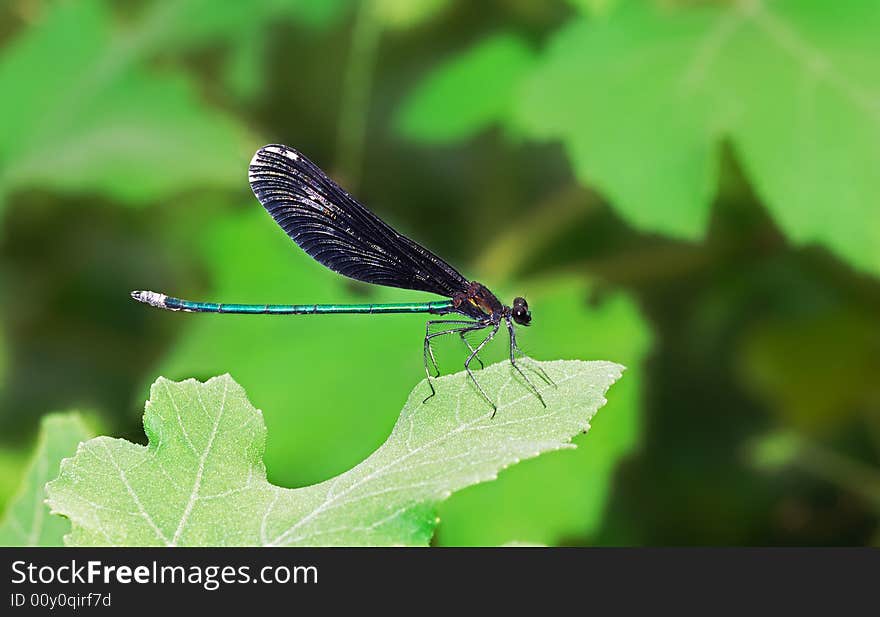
(150,297)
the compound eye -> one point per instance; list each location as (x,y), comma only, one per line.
(521,315)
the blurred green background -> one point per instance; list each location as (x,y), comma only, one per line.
(689,188)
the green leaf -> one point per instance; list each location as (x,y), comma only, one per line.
(470,92)
(27,521)
(793,84)
(609,89)
(201,480)
(563,496)
(642,98)
(89,115)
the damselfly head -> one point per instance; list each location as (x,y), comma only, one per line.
(520,312)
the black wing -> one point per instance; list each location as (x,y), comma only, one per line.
(340,233)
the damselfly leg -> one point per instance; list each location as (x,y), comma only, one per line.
(467,367)
(470,347)
(428,352)
(465,327)
(513,349)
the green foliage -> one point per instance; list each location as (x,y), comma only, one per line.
(100,120)
(3,359)
(784,449)
(774,451)
(401,14)
(779,355)
(585,93)
(642,98)
(201,480)
(243,26)
(12,465)
(195,22)
(594,7)
(27,521)
(357,361)
(472,91)
(108,104)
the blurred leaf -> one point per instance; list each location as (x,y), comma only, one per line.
(27,521)
(471,91)
(403,14)
(243,73)
(201,480)
(563,496)
(87,115)
(598,8)
(359,360)
(245,26)
(837,353)
(3,356)
(12,465)
(311,13)
(775,450)
(778,450)
(197,21)
(642,99)
(794,86)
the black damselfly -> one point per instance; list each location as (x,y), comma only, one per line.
(340,233)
